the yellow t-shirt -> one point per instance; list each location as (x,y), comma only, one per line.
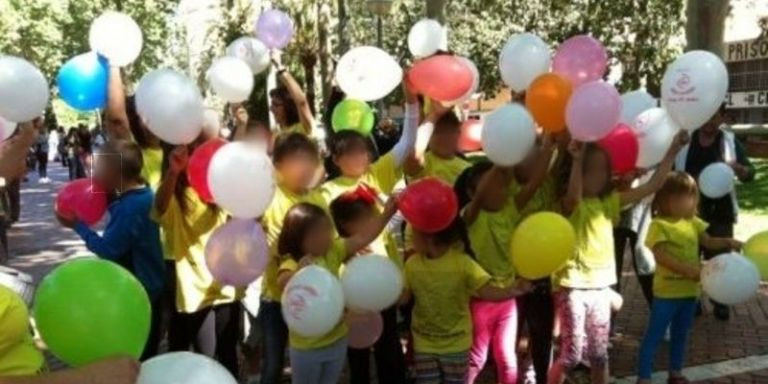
(382,176)
(593,264)
(490,235)
(442,288)
(18,354)
(282,201)
(447,170)
(186,234)
(544,199)
(332,262)
(152,171)
(680,239)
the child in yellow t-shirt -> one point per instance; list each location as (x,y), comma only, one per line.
(582,297)
(188,223)
(307,238)
(295,157)
(674,237)
(442,277)
(437,147)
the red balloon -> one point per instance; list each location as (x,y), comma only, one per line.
(622,147)
(197,169)
(83,200)
(441,77)
(471,131)
(429,205)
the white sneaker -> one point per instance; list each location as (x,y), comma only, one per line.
(667,336)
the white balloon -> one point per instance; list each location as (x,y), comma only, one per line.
(633,104)
(426,37)
(693,88)
(522,59)
(240,178)
(313,302)
(475,82)
(730,278)
(508,134)
(716,180)
(655,132)
(183,368)
(367,73)
(211,123)
(231,79)
(23,90)
(170,105)
(7,128)
(252,51)
(117,37)
(371,283)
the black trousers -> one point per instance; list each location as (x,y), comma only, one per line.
(538,312)
(152,347)
(213,331)
(42,164)
(716,229)
(625,242)
(387,352)
(14,199)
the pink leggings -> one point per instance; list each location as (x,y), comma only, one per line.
(494,325)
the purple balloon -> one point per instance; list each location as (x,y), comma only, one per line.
(236,253)
(593,111)
(274,28)
(580,59)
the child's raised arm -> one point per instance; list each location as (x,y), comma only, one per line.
(117,125)
(403,149)
(306,117)
(539,173)
(673,264)
(176,164)
(573,195)
(360,240)
(634,195)
(496,177)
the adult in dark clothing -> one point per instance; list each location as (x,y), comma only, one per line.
(714,143)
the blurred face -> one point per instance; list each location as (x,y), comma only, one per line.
(445,143)
(297,170)
(277,107)
(595,176)
(682,205)
(713,124)
(359,223)
(318,239)
(524,170)
(353,163)
(106,171)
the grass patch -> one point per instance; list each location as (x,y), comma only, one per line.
(753,202)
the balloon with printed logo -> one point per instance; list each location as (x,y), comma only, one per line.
(429,205)
(236,253)
(592,111)
(171,106)
(730,279)
(426,37)
(546,100)
(252,51)
(23,89)
(693,88)
(364,329)
(83,81)
(716,180)
(90,309)
(240,179)
(470,139)
(231,79)
(354,115)
(622,147)
(541,244)
(367,73)
(312,302)
(442,77)
(580,59)
(371,283)
(633,104)
(183,367)
(274,28)
(117,37)
(197,168)
(82,199)
(508,134)
(523,58)
(655,132)
(756,250)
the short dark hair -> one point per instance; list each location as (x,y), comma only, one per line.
(131,159)
(347,141)
(287,144)
(347,208)
(298,221)
(454,233)
(291,112)
(449,122)
(469,179)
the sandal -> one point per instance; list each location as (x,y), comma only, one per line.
(678,380)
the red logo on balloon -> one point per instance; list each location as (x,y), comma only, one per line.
(297,297)
(683,85)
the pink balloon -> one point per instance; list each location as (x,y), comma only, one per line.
(623,148)
(236,253)
(83,200)
(364,329)
(593,111)
(581,59)
(274,28)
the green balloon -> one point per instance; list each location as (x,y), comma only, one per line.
(88,309)
(353,115)
(756,249)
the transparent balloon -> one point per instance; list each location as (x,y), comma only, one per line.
(23,90)
(170,105)
(426,37)
(231,79)
(252,51)
(240,179)
(117,37)
(367,73)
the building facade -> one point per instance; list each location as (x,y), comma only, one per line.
(747,99)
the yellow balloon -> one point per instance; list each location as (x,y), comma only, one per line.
(756,249)
(541,244)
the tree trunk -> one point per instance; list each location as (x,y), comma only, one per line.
(343,45)
(436,10)
(705,24)
(309,81)
(324,50)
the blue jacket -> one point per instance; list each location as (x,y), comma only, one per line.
(131,239)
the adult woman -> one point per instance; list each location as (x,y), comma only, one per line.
(289,104)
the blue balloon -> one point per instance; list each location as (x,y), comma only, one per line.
(83,81)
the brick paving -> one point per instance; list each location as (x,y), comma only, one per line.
(37,244)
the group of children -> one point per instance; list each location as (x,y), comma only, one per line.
(462,298)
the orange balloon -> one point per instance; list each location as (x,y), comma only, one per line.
(546,99)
